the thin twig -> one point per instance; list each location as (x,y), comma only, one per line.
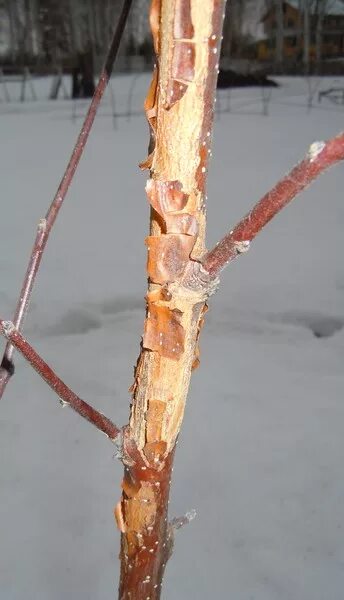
(321,156)
(45,225)
(66,395)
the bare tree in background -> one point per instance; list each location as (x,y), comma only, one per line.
(279,33)
(306,35)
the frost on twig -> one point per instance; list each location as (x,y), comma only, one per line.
(315,149)
(242,247)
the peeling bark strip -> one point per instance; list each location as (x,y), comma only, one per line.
(179,109)
(181,59)
(163,331)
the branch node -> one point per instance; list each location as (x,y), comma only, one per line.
(196,282)
(8,328)
(122,447)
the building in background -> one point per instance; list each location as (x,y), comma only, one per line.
(314,25)
(51,35)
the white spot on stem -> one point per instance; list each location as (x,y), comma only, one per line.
(242,247)
(315,149)
(8,328)
(42,225)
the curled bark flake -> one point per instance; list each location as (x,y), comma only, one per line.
(166,196)
(182,223)
(196,360)
(164,332)
(167,199)
(174,92)
(154,22)
(151,106)
(168,256)
(183,27)
(119,517)
(182,60)
(151,102)
(137,372)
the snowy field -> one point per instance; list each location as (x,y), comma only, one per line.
(261,452)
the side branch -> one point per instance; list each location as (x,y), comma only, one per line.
(66,395)
(321,156)
(45,225)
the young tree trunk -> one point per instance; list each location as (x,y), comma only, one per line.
(179,108)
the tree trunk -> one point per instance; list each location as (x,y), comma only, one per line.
(306,36)
(179,108)
(279,33)
(13,30)
(319,28)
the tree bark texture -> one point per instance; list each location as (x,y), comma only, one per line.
(179,108)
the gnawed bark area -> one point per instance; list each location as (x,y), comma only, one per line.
(179,107)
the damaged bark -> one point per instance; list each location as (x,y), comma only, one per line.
(179,109)
(181,274)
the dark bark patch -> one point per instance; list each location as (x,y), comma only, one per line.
(168,256)
(183,27)
(174,92)
(163,331)
(166,196)
(183,61)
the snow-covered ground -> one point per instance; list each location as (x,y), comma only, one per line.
(261,452)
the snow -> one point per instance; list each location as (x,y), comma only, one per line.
(260,453)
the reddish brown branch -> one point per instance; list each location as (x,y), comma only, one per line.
(66,395)
(45,225)
(320,157)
